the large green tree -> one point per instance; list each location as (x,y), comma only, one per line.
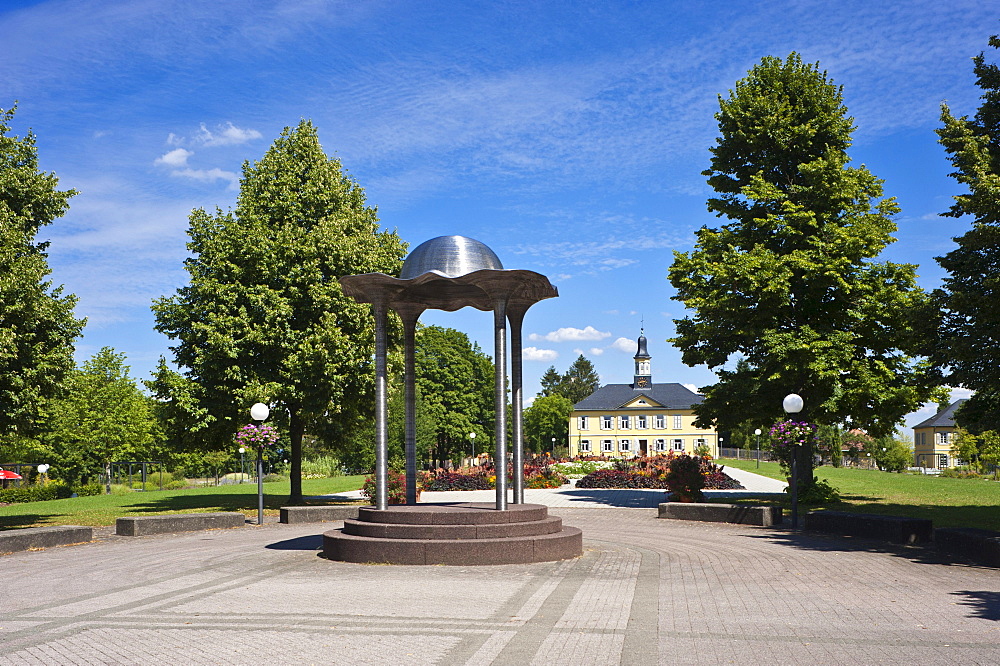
(968,335)
(546,419)
(263,317)
(37,326)
(789,283)
(578,382)
(103,418)
(454,382)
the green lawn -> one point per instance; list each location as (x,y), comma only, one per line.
(104,509)
(948,502)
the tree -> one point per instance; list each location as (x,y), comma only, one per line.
(546,419)
(789,285)
(103,417)
(37,326)
(968,335)
(263,317)
(454,382)
(578,382)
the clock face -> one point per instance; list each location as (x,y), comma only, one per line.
(642,382)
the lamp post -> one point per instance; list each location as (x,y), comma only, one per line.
(260,412)
(243,468)
(553,451)
(756,434)
(472,442)
(792,404)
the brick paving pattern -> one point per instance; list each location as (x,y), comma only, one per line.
(646,591)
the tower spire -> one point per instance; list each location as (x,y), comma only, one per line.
(643,378)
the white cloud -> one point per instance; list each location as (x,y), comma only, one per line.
(529,401)
(208,175)
(176,158)
(225,135)
(570,334)
(690,387)
(534,354)
(624,344)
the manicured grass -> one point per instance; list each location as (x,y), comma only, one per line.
(948,502)
(104,509)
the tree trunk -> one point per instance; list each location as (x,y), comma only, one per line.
(295,431)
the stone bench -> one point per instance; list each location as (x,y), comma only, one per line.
(317,514)
(895,529)
(12,541)
(763,516)
(980,546)
(180,522)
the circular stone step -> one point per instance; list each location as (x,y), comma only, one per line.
(458,534)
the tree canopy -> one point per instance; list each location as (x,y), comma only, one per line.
(546,419)
(263,317)
(789,284)
(578,382)
(37,324)
(967,343)
(103,418)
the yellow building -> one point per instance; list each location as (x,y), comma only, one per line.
(934,438)
(638,419)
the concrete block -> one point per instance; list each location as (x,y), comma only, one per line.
(180,522)
(763,516)
(317,514)
(895,529)
(12,541)
(975,545)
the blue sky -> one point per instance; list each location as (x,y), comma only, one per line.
(567,136)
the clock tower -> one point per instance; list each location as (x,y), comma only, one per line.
(643,378)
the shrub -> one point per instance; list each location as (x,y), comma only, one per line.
(818,492)
(960,473)
(274,478)
(685,479)
(397,488)
(456,481)
(616,478)
(49,491)
(321,467)
(89,489)
(580,468)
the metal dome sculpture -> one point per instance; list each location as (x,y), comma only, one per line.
(450,273)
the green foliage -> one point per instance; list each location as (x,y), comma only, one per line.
(788,285)
(818,492)
(263,317)
(37,326)
(969,324)
(581,468)
(454,382)
(578,382)
(37,493)
(547,417)
(981,452)
(104,417)
(964,472)
(396,488)
(891,454)
(829,441)
(685,479)
(321,467)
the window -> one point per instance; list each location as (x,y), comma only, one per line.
(678,445)
(584,446)
(625,422)
(699,442)
(583,423)
(624,445)
(942,461)
(607,422)
(607,446)
(942,438)
(640,422)
(660,421)
(677,422)
(660,445)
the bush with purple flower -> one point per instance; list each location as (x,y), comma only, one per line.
(252,436)
(785,435)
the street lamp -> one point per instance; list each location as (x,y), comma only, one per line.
(792,404)
(756,434)
(260,412)
(552,452)
(472,441)
(243,468)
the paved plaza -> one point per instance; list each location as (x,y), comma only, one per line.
(646,591)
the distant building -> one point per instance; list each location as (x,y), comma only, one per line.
(934,438)
(637,419)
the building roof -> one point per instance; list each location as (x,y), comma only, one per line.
(614,396)
(943,419)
